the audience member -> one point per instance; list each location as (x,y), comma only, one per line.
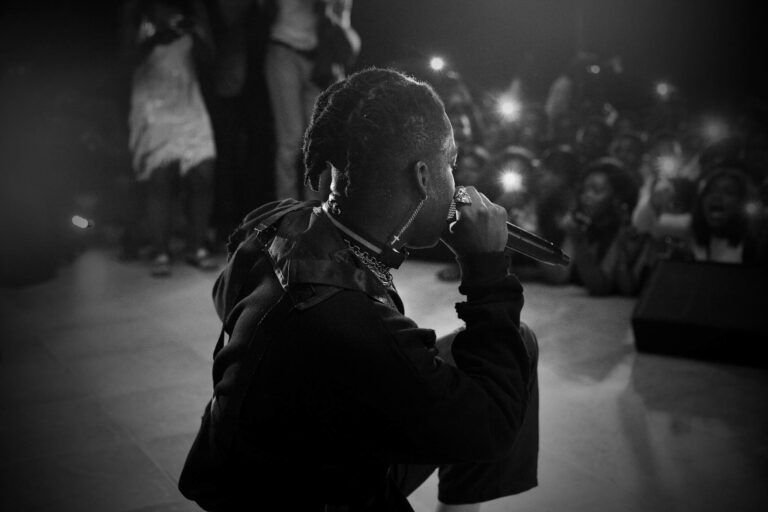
(171,139)
(607,254)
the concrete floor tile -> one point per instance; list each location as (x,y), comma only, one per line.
(141,370)
(30,382)
(159,412)
(169,453)
(33,431)
(101,401)
(111,480)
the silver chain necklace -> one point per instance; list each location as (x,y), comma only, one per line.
(376,267)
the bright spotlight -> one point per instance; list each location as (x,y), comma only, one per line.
(81,222)
(663,90)
(510,109)
(752,209)
(668,166)
(511,180)
(437,63)
(594,69)
(715,130)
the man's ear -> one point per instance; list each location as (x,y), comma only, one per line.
(421,177)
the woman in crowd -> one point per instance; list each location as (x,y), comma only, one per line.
(607,255)
(723,227)
(171,139)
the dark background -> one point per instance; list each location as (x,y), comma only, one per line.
(64,86)
(711,48)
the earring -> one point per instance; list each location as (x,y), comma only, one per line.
(395,242)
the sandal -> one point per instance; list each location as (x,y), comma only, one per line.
(161,265)
(202,259)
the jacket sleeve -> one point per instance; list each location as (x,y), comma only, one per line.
(387,394)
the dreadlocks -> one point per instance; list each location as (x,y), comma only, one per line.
(365,125)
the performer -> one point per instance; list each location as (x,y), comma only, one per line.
(326,396)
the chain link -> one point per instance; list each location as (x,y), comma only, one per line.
(376,267)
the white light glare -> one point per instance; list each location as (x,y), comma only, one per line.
(437,63)
(663,90)
(594,69)
(510,108)
(667,166)
(715,130)
(81,222)
(511,181)
(752,209)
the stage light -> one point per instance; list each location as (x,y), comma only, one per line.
(437,63)
(667,166)
(511,180)
(81,222)
(663,90)
(510,108)
(752,209)
(715,130)
(594,69)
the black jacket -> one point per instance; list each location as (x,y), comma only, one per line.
(324,384)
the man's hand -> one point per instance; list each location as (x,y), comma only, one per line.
(480,227)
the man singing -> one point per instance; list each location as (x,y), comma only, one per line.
(326,396)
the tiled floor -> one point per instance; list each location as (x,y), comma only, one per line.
(104,372)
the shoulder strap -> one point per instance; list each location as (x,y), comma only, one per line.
(261,234)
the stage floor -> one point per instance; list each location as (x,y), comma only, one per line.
(104,372)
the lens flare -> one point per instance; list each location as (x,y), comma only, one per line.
(715,130)
(437,63)
(510,108)
(752,209)
(663,90)
(668,166)
(81,222)
(511,180)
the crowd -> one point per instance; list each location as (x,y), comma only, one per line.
(217,95)
(619,185)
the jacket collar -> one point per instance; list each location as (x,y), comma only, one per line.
(308,249)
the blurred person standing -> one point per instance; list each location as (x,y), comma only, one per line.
(171,139)
(311,43)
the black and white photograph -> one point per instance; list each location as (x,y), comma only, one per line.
(383,256)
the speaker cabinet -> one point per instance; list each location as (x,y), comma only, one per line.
(710,311)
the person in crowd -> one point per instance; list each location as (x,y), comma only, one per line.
(592,139)
(533,128)
(299,63)
(629,148)
(239,110)
(724,228)
(568,91)
(171,139)
(358,403)
(607,255)
(557,184)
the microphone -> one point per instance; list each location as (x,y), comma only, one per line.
(525,242)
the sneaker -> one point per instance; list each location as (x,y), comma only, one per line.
(161,265)
(202,259)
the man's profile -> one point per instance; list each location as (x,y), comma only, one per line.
(326,396)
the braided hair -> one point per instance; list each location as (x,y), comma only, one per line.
(365,125)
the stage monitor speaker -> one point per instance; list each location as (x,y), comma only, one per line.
(707,311)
